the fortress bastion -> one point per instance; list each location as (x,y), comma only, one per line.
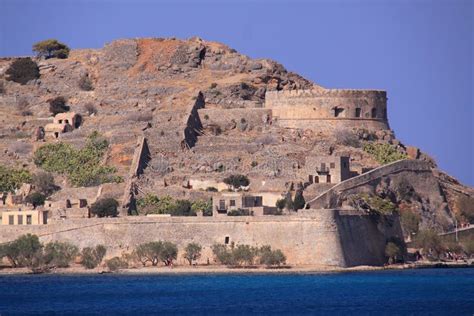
(329,109)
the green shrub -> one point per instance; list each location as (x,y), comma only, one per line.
(204,206)
(384,153)
(81,166)
(58,105)
(116,263)
(35,199)
(280,204)
(246,255)
(2,87)
(12,179)
(429,240)
(106,207)
(271,257)
(239,212)
(222,254)
(22,70)
(192,252)
(59,254)
(237,181)
(92,257)
(372,204)
(85,83)
(211,189)
(151,204)
(51,48)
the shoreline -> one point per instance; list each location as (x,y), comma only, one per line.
(222,270)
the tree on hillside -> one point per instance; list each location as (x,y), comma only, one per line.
(430,241)
(106,207)
(51,48)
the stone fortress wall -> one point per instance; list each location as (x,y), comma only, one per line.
(329,109)
(314,237)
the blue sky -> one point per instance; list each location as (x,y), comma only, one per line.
(420,51)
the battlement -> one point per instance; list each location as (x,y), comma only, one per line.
(329,108)
(325,93)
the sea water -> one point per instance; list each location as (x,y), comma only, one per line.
(406,292)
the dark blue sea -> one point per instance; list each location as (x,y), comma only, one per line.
(408,292)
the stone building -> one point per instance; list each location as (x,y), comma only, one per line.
(223,203)
(62,123)
(25,217)
(329,109)
(327,169)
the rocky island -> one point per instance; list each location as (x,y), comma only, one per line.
(187,152)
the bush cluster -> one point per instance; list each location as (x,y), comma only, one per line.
(85,83)
(106,207)
(92,257)
(156,251)
(242,255)
(116,263)
(28,251)
(22,70)
(11,179)
(58,105)
(237,181)
(240,212)
(152,204)
(372,204)
(384,153)
(81,166)
(291,204)
(192,252)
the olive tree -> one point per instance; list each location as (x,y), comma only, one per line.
(192,252)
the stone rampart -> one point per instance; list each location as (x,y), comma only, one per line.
(312,238)
(140,161)
(253,117)
(329,109)
(327,198)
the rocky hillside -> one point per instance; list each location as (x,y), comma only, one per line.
(150,87)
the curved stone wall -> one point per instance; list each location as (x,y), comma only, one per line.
(330,108)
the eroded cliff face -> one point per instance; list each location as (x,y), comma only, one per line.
(201,106)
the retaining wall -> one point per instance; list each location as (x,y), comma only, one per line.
(314,237)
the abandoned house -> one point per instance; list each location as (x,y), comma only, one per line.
(327,169)
(25,217)
(62,123)
(223,203)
